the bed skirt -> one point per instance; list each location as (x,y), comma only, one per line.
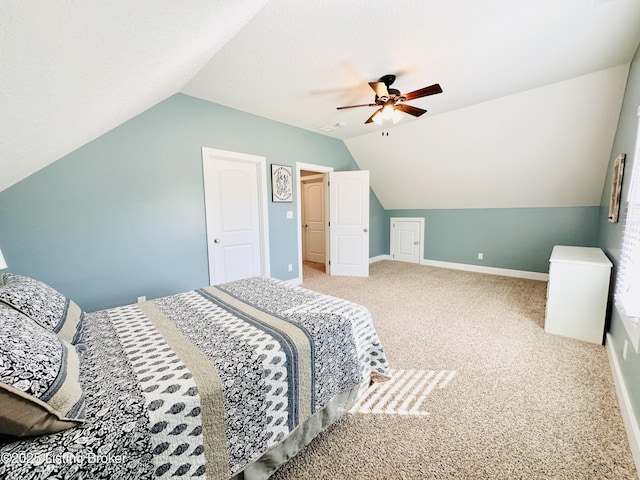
(266,465)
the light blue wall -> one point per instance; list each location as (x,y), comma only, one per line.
(610,239)
(379,223)
(512,238)
(124,215)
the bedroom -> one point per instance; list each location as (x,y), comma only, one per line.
(122,205)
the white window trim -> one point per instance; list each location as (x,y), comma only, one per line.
(627,296)
(631,325)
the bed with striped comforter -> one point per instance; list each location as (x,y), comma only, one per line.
(211,383)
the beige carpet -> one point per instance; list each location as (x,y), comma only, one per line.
(480,390)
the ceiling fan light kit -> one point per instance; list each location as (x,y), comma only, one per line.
(388,112)
(391,102)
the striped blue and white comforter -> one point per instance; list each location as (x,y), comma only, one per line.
(202,384)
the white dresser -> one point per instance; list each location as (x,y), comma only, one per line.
(577,292)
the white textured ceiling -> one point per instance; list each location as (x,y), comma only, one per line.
(70,71)
(296,61)
(546,147)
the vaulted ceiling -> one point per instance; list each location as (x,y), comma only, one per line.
(531,90)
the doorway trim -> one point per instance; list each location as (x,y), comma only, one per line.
(316,180)
(263,207)
(313,168)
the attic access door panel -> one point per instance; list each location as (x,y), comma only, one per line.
(349,223)
(407,243)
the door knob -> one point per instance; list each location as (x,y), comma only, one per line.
(366,230)
(416,243)
(216,240)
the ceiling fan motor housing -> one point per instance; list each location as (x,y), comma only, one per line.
(388,79)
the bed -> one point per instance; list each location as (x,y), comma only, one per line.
(222,382)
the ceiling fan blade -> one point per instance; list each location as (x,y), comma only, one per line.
(416,112)
(423,92)
(380,88)
(356,106)
(370,119)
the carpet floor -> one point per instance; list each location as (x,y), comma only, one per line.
(479,390)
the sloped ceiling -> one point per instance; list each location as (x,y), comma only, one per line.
(532,90)
(546,147)
(72,70)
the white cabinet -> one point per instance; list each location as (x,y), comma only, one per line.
(577,293)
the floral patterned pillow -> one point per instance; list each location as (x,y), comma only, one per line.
(39,387)
(43,304)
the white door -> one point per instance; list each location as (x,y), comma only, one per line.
(406,239)
(349,223)
(235,208)
(313,219)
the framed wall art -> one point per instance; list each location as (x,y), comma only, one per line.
(616,188)
(281,183)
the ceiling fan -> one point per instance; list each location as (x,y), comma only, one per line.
(391,101)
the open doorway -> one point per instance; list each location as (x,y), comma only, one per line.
(347,206)
(313,212)
(314,221)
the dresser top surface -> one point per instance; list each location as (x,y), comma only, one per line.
(581,255)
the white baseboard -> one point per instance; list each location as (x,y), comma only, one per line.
(628,416)
(379,258)
(505,272)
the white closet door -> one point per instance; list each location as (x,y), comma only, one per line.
(235,203)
